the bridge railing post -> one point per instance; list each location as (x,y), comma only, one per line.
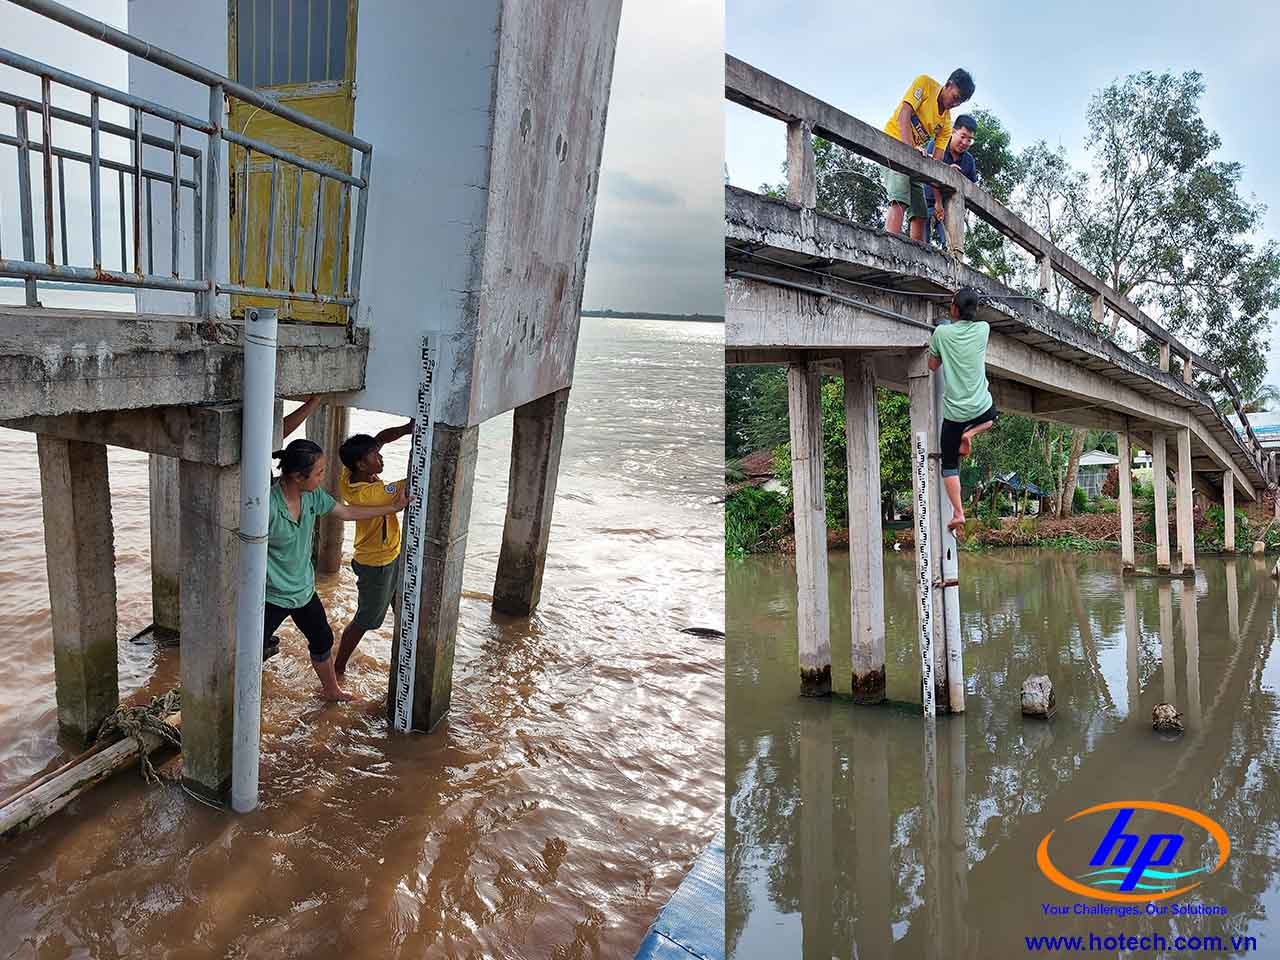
(955,207)
(802,174)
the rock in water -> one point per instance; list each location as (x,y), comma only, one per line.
(1166,718)
(1037,697)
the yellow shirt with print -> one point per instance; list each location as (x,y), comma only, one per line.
(377,539)
(926,122)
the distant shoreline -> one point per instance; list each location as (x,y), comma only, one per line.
(642,315)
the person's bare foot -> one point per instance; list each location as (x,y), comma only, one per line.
(336,695)
(957,522)
(966,444)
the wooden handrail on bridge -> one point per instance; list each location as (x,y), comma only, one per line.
(805,115)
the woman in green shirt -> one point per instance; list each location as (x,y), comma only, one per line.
(296,500)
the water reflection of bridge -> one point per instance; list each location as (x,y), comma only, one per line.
(881,866)
(829,297)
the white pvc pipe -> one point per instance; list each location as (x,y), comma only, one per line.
(255,483)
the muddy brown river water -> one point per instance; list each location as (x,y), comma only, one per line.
(577,776)
(843,842)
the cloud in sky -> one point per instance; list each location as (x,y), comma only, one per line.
(1036,66)
(658,239)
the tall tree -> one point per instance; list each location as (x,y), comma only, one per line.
(1167,226)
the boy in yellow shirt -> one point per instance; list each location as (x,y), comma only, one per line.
(377,541)
(923,114)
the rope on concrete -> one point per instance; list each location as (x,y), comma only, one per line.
(144,718)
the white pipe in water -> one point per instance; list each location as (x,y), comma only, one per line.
(255,492)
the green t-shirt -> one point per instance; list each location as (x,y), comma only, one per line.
(962,345)
(291,579)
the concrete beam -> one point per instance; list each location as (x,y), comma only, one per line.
(866,548)
(80,560)
(760,315)
(448,510)
(537,438)
(199,434)
(67,361)
(210,579)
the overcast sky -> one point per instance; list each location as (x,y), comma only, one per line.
(658,235)
(1036,66)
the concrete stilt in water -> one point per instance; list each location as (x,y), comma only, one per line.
(1228,512)
(327,426)
(537,436)
(812,622)
(866,551)
(453,470)
(925,419)
(1160,490)
(210,578)
(817,855)
(1191,638)
(1186,515)
(165,547)
(872,833)
(80,559)
(1126,501)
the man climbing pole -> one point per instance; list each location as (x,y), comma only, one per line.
(960,349)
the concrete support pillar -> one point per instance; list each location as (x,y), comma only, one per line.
(1125,466)
(1184,505)
(804,386)
(537,436)
(210,583)
(866,549)
(448,510)
(927,418)
(165,543)
(80,559)
(277,426)
(1228,512)
(328,427)
(1160,490)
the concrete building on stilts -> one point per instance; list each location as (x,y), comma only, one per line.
(831,298)
(375,172)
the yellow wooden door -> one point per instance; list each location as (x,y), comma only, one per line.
(303,53)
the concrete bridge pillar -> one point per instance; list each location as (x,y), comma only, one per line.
(926,417)
(1124,449)
(1184,505)
(210,579)
(1160,489)
(537,437)
(328,427)
(80,559)
(866,549)
(166,557)
(804,386)
(448,513)
(1228,512)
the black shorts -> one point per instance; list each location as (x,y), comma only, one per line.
(951,434)
(310,619)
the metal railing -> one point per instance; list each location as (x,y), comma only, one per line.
(203,177)
(806,116)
